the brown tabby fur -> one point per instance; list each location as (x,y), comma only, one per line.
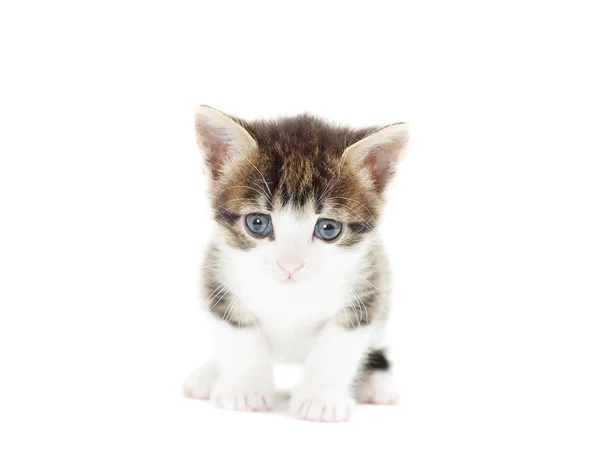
(299,162)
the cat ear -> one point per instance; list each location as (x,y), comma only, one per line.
(380,153)
(223,140)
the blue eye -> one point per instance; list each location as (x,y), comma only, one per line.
(328,230)
(259,224)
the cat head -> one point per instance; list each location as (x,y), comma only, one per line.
(297,199)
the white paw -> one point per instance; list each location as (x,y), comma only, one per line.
(242,395)
(321,406)
(201,381)
(377,388)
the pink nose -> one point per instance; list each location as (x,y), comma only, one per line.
(290,267)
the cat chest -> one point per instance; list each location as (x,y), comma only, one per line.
(288,343)
(291,317)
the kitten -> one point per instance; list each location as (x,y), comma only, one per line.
(296,271)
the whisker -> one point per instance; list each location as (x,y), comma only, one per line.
(360,301)
(348,320)
(259,191)
(355,212)
(373,291)
(330,186)
(218,297)
(355,201)
(359,304)
(215,290)
(248,160)
(257,184)
(354,311)
(208,266)
(225,292)
(232,200)
(369,283)
(229,309)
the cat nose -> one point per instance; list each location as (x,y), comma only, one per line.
(290,266)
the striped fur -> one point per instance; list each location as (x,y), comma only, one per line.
(299,162)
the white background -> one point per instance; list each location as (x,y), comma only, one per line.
(493,229)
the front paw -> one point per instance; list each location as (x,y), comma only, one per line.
(242,394)
(323,406)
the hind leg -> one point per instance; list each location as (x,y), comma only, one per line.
(376,383)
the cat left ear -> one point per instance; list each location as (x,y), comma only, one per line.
(380,153)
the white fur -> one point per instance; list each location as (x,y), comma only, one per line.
(377,388)
(319,290)
(296,324)
(245,379)
(201,381)
(323,391)
(296,319)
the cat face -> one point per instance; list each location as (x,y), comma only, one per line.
(296,200)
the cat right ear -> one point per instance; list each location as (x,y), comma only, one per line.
(223,140)
(380,152)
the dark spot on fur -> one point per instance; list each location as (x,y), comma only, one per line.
(376,361)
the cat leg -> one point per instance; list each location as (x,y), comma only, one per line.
(201,381)
(245,378)
(376,383)
(323,392)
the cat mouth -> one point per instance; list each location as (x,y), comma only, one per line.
(289,280)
